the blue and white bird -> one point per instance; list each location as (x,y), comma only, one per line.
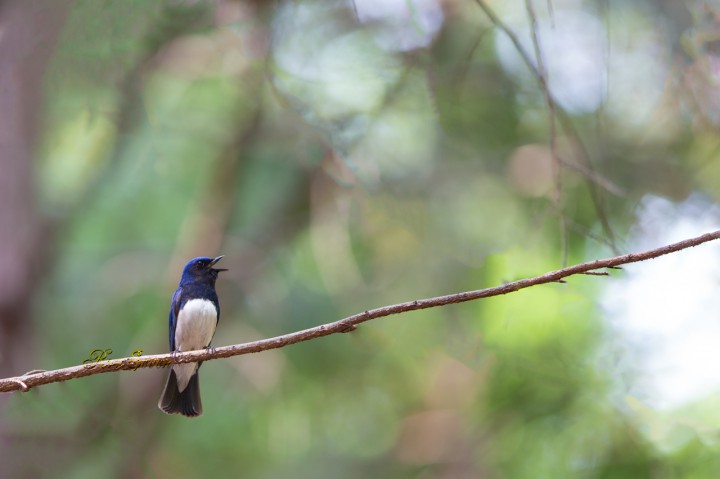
(194,314)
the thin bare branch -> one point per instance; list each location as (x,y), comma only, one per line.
(37,378)
(590,174)
(552,126)
(561,117)
(551,13)
(463,72)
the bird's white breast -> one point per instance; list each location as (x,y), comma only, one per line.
(196,325)
(194,330)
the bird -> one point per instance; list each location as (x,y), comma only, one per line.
(194,315)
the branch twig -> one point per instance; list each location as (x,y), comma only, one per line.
(593,178)
(544,80)
(37,378)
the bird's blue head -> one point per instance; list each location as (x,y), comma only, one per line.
(201,270)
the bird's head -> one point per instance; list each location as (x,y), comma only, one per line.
(201,269)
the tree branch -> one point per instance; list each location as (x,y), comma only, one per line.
(592,177)
(37,378)
(556,196)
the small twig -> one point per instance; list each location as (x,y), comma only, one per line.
(25,382)
(594,177)
(551,13)
(23,387)
(466,64)
(544,80)
(562,118)
(513,38)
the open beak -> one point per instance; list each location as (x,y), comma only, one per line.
(213,262)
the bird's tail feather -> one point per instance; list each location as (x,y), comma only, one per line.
(187,402)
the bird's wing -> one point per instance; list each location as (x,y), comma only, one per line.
(172,319)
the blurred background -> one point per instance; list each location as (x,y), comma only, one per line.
(345,155)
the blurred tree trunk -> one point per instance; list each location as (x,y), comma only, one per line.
(29,30)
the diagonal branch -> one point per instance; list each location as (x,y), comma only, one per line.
(34,378)
(591,176)
(556,196)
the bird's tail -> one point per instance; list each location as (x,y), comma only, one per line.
(187,402)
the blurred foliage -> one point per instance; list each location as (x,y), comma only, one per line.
(343,157)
